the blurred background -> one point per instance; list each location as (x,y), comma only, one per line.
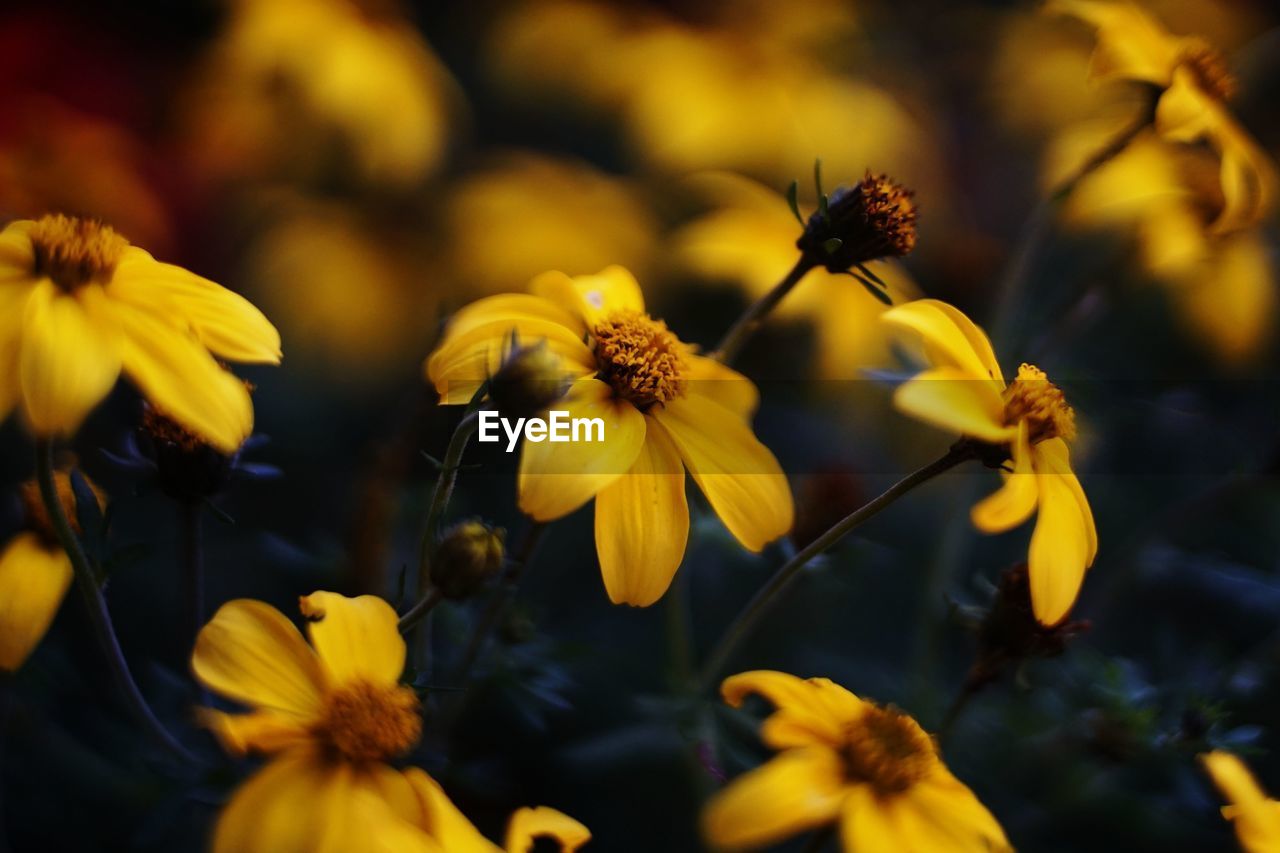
(360,168)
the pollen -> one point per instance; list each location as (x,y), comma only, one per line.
(1031,397)
(369,722)
(888,750)
(74,252)
(1209,68)
(637,355)
(890,211)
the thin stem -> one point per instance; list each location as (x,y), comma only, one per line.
(420,610)
(746,325)
(444,490)
(192,532)
(768,595)
(96,605)
(967,692)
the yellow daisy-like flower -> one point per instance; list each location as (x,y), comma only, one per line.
(665,409)
(965,391)
(1256,816)
(1195,84)
(35,574)
(332,717)
(78,305)
(869,768)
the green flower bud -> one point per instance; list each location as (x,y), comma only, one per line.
(529,381)
(470,553)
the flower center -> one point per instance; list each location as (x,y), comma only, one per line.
(1209,68)
(370,722)
(74,251)
(888,750)
(643,361)
(890,211)
(1033,398)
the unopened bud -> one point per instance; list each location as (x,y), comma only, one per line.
(529,381)
(470,553)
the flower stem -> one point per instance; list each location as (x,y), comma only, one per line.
(746,325)
(96,605)
(420,610)
(767,596)
(192,532)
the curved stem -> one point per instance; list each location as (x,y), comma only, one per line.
(746,325)
(420,610)
(767,596)
(444,490)
(96,605)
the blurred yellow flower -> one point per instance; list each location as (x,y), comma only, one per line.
(1256,817)
(869,768)
(78,305)
(749,239)
(527,213)
(664,407)
(1029,420)
(1195,85)
(35,573)
(332,717)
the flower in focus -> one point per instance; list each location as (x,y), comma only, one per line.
(664,407)
(869,768)
(1256,817)
(35,573)
(331,715)
(1027,421)
(1195,85)
(749,238)
(79,304)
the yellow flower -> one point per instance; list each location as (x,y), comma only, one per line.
(1256,817)
(868,767)
(34,575)
(1030,421)
(1195,84)
(332,717)
(78,305)
(665,408)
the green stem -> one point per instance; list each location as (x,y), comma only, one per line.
(768,595)
(96,605)
(751,319)
(420,610)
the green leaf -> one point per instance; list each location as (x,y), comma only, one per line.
(871,275)
(832,245)
(793,202)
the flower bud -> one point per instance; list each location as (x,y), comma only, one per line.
(530,380)
(470,553)
(873,219)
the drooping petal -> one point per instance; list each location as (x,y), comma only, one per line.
(33,581)
(592,297)
(809,710)
(179,376)
(1014,502)
(740,477)
(723,384)
(13,302)
(251,653)
(867,826)
(528,825)
(798,790)
(951,399)
(229,325)
(950,338)
(642,524)
(558,477)
(263,732)
(70,356)
(1131,45)
(356,638)
(1054,455)
(1060,546)
(466,359)
(941,813)
(442,820)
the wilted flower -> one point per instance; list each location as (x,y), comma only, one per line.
(871,220)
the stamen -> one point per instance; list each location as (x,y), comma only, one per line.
(1210,69)
(73,251)
(1031,397)
(643,361)
(370,722)
(888,750)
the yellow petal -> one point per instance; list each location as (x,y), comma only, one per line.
(17,256)
(954,400)
(941,813)
(810,710)
(177,374)
(226,323)
(442,820)
(70,356)
(642,524)
(1059,550)
(513,308)
(709,378)
(465,360)
(356,638)
(1256,818)
(261,731)
(1232,778)
(1248,179)
(798,790)
(740,477)
(251,653)
(1131,45)
(592,297)
(13,301)
(1016,499)
(33,581)
(557,478)
(950,338)
(1055,456)
(867,825)
(531,824)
